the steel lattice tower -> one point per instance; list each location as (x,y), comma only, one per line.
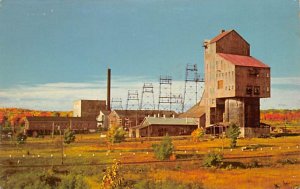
(165,93)
(116,104)
(132,100)
(192,79)
(177,101)
(147,100)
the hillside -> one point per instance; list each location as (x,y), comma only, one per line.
(16,116)
(280,116)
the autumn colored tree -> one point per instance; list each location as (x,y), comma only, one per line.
(198,134)
(112,178)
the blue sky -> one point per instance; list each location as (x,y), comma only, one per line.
(54,52)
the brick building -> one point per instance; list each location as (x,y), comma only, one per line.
(88,108)
(41,125)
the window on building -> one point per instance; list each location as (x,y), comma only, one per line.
(222,65)
(249,90)
(220,84)
(268,89)
(256,90)
(254,72)
(268,75)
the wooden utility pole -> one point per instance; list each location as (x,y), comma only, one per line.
(62,144)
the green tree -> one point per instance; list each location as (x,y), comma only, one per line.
(21,138)
(115,134)
(165,149)
(233,132)
(213,159)
(69,136)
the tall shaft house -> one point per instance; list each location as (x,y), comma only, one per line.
(234,84)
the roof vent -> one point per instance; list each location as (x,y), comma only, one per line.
(222,31)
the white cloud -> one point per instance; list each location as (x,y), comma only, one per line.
(286,81)
(60,96)
(282,99)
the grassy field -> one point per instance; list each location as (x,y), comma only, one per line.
(265,163)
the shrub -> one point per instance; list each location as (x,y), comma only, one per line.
(198,134)
(116,134)
(165,184)
(254,163)
(69,136)
(163,150)
(112,177)
(73,182)
(213,159)
(233,132)
(287,161)
(21,138)
(50,179)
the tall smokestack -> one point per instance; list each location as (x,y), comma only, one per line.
(108,89)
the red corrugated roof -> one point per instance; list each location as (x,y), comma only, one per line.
(221,35)
(243,60)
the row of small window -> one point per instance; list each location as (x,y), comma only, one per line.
(229,87)
(229,74)
(254,90)
(255,72)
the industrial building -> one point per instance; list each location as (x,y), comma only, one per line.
(84,119)
(131,118)
(88,108)
(234,84)
(41,125)
(161,126)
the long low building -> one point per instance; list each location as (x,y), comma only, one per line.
(132,118)
(46,125)
(160,126)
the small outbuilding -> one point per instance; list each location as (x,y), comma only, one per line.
(160,126)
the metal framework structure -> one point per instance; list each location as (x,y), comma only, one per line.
(116,104)
(132,100)
(165,93)
(147,99)
(192,79)
(177,101)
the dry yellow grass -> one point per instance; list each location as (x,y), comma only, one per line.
(286,176)
(136,151)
